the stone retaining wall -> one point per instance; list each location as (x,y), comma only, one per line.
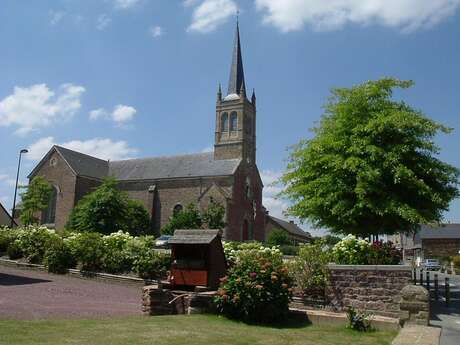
(374,288)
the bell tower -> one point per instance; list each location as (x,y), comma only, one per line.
(235,135)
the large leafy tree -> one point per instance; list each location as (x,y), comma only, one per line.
(372,166)
(35,198)
(107,210)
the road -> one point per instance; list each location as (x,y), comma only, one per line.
(32,295)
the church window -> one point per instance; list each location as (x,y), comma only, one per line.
(224,122)
(248,188)
(178,208)
(49,215)
(53,162)
(233,121)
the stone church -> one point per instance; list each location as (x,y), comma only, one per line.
(228,175)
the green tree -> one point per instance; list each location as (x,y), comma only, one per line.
(214,216)
(278,237)
(108,210)
(372,166)
(34,199)
(188,218)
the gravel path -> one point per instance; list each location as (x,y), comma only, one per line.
(32,295)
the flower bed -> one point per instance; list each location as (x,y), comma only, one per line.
(115,253)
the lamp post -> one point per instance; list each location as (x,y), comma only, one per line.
(16,187)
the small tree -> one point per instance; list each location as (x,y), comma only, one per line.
(372,167)
(278,237)
(108,210)
(34,199)
(214,216)
(188,218)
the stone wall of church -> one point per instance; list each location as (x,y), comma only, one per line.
(164,195)
(56,171)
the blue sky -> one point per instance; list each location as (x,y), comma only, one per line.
(135,78)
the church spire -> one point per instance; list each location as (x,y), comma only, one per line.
(236,84)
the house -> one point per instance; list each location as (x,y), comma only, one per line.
(431,242)
(5,218)
(295,233)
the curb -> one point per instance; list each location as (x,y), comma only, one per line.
(98,276)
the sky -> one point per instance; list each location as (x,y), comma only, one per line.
(138,78)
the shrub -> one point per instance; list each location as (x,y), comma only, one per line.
(257,288)
(358,321)
(34,241)
(7,236)
(14,251)
(35,199)
(278,237)
(384,254)
(189,218)
(456,261)
(147,263)
(107,210)
(289,250)
(351,251)
(309,268)
(58,257)
(116,258)
(88,248)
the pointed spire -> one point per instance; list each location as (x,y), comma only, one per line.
(253,98)
(236,84)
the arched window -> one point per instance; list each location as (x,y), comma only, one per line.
(245,234)
(178,208)
(248,189)
(224,123)
(233,121)
(49,215)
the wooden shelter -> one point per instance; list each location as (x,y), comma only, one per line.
(198,258)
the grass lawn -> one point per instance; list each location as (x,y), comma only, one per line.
(178,330)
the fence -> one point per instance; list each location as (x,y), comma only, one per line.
(435,289)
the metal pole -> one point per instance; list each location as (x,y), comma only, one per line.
(421,276)
(436,287)
(414,273)
(447,288)
(16,188)
(428,281)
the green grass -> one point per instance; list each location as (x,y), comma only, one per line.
(179,330)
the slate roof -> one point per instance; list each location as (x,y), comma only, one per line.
(236,83)
(292,228)
(5,217)
(84,165)
(193,165)
(194,236)
(444,231)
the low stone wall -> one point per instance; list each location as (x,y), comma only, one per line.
(159,301)
(374,288)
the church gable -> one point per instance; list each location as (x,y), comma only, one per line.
(215,192)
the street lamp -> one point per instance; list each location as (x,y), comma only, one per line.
(16,187)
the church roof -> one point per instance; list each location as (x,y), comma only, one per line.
(192,165)
(236,83)
(84,165)
(292,228)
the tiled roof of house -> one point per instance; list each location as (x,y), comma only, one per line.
(292,228)
(443,231)
(193,165)
(5,217)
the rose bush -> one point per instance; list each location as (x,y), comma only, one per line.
(258,287)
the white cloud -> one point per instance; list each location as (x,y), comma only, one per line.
(97,114)
(120,114)
(189,3)
(274,205)
(407,15)
(156,31)
(210,14)
(98,147)
(102,21)
(123,113)
(37,106)
(124,4)
(208,149)
(56,16)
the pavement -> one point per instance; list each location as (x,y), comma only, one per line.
(417,335)
(30,295)
(448,318)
